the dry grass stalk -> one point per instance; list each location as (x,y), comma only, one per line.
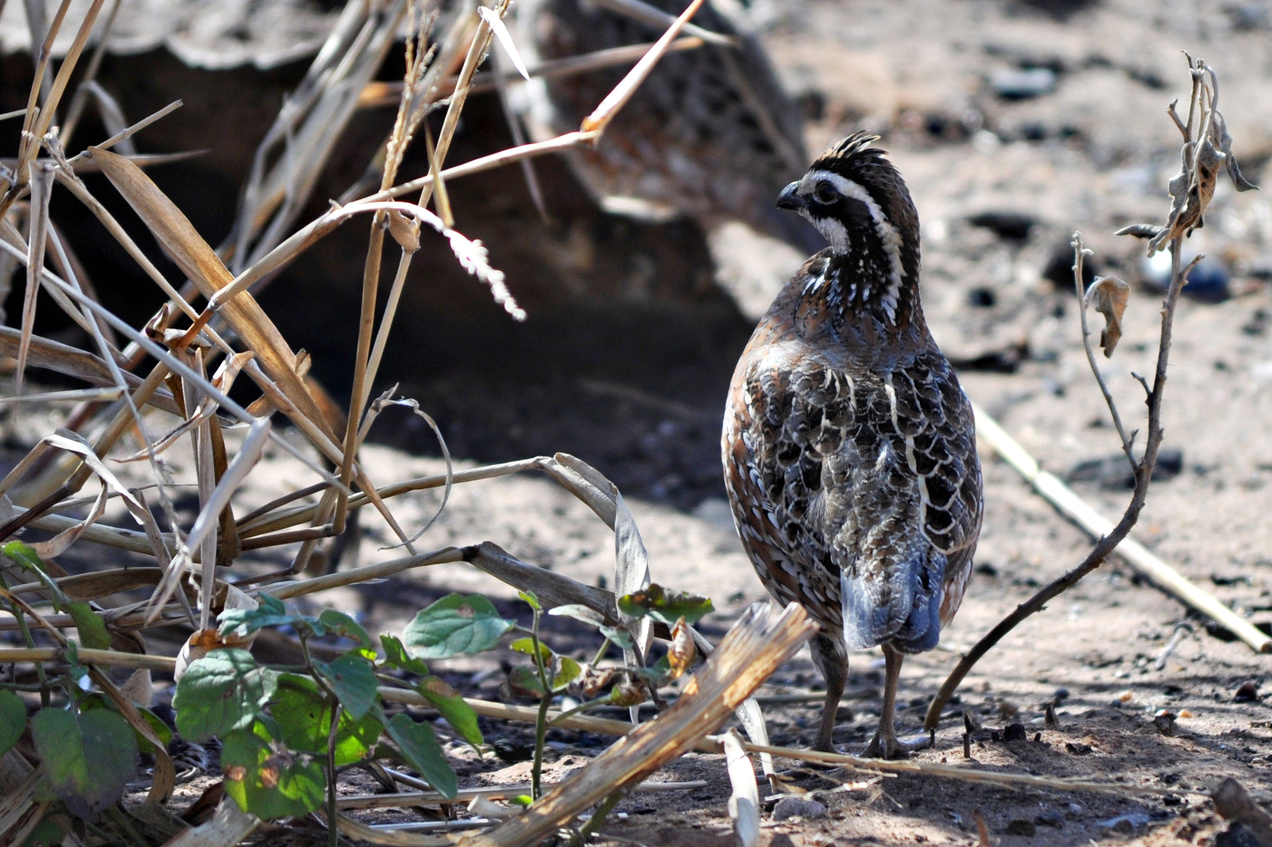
(309,126)
(744,798)
(613,103)
(754,647)
(425,797)
(41,110)
(379,94)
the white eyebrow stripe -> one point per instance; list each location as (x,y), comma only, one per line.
(888,233)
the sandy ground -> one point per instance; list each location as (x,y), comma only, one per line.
(1092,152)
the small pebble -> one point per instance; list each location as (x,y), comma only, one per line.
(1207,281)
(1125,824)
(798,807)
(1004,223)
(1022,83)
(1050,817)
(1014,732)
(1020,827)
(1248,692)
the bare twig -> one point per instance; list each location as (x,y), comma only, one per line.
(1190,190)
(1080,252)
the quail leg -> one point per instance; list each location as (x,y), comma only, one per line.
(831,659)
(885,744)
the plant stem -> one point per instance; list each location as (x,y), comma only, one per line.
(541,720)
(598,817)
(1106,545)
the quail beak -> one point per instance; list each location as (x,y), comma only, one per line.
(790,199)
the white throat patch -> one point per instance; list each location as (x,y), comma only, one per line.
(835,232)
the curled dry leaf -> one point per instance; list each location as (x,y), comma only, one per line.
(484,807)
(1207,150)
(593,680)
(628,693)
(1145,231)
(202,642)
(681,653)
(405,231)
(1109,295)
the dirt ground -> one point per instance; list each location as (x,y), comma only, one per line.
(1090,154)
(1093,152)
(1002,178)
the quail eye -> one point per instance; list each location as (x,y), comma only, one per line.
(824,192)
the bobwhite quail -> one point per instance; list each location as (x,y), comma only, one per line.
(849,447)
(711,134)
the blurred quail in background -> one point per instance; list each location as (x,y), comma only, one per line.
(849,446)
(711,134)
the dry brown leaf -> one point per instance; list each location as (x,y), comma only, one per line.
(681,652)
(405,231)
(1109,295)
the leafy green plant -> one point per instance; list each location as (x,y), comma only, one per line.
(551,673)
(89,749)
(285,732)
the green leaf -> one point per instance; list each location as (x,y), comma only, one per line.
(665,606)
(421,751)
(161,730)
(51,831)
(89,702)
(527,679)
(353,680)
(92,629)
(221,692)
(268,780)
(345,626)
(453,625)
(526,645)
(395,654)
(579,612)
(25,556)
(656,675)
(271,612)
(88,758)
(75,669)
(532,599)
(619,636)
(303,715)
(568,671)
(12,719)
(452,707)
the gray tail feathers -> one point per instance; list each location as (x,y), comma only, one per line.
(904,610)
